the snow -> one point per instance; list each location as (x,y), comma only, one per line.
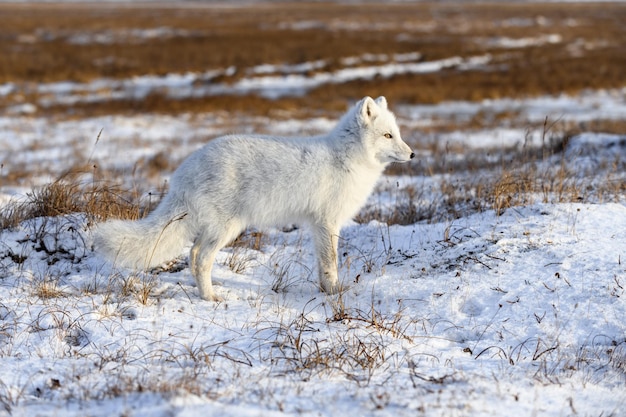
(513,314)
(525,117)
(512,43)
(270,81)
(277,86)
(286,69)
(584,107)
(132,36)
(356,60)
(482,315)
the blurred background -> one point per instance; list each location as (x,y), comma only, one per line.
(265,58)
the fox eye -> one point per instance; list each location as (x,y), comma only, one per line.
(388,135)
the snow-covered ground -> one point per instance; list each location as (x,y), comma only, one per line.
(51,146)
(483,315)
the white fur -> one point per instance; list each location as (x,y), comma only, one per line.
(234,182)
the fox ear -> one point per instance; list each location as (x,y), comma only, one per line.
(381,101)
(369,109)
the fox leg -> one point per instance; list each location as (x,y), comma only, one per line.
(201,259)
(326,239)
(202,256)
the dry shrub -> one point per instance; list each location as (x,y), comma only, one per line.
(156,165)
(239,259)
(356,352)
(510,189)
(250,239)
(66,195)
(48,288)
(499,180)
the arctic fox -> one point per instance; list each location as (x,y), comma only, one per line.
(234,182)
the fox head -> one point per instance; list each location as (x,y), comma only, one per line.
(380,133)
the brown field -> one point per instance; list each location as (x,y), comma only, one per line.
(41,43)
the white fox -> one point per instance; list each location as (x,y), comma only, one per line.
(235,182)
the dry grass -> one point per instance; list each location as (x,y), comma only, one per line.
(98,200)
(359,351)
(38,45)
(498,180)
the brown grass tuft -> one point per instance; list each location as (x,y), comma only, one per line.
(67,195)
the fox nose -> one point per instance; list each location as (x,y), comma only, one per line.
(412,155)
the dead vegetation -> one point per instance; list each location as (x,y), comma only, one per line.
(48,43)
(497,180)
(70,193)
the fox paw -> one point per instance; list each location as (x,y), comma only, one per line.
(212,297)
